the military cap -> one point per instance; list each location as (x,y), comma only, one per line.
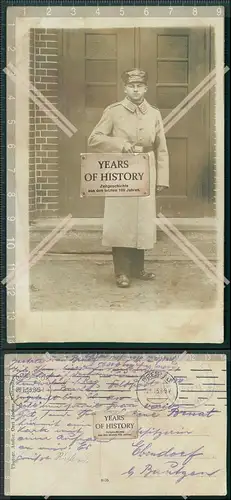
(135,76)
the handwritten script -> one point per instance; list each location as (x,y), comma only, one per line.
(54,399)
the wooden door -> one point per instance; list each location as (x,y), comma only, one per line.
(91,63)
(181,59)
(177,60)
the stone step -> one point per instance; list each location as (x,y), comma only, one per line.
(87,240)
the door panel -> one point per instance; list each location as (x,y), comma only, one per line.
(91,65)
(180,63)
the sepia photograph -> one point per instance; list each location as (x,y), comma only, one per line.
(119,179)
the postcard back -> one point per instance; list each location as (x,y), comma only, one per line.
(113,424)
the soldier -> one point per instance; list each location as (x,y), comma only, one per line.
(129,126)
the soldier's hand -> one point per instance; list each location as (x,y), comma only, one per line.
(127,148)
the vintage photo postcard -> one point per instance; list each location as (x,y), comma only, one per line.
(115,174)
(115,424)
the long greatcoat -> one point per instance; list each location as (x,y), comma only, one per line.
(130,222)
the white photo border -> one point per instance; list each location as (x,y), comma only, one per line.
(110,326)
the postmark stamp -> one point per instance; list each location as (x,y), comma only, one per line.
(157,390)
(30,391)
(201,386)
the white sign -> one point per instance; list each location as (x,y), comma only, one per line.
(115,174)
(115,426)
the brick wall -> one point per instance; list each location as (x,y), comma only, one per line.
(43,134)
(32,193)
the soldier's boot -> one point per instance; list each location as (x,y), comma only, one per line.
(145,276)
(122,281)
